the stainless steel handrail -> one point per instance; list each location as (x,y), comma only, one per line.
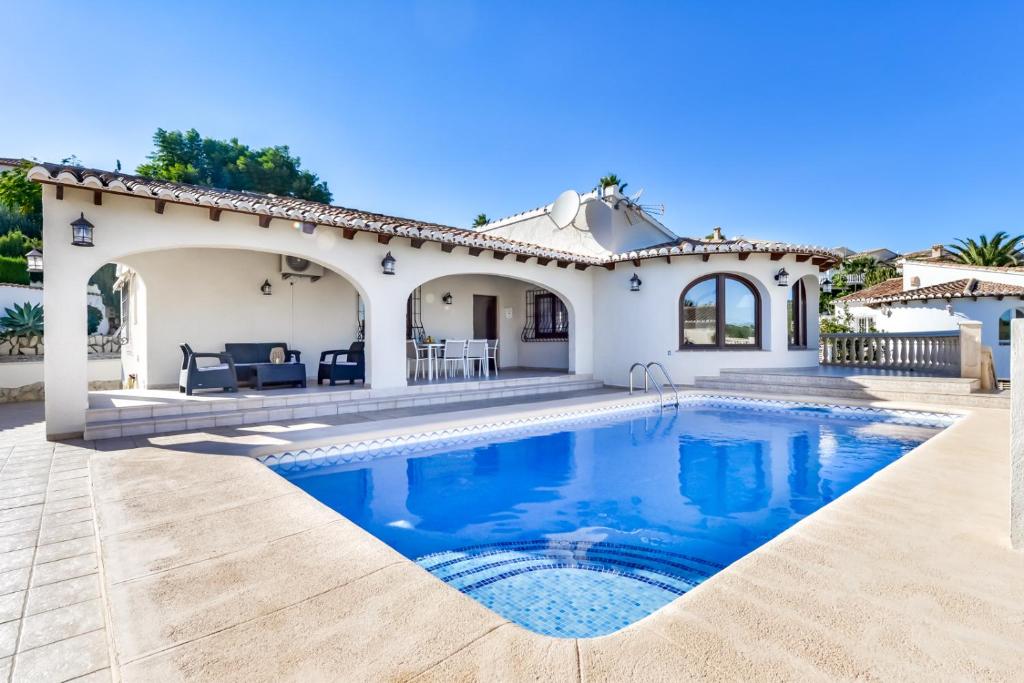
(668,378)
(647,378)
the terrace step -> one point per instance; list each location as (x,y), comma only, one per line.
(901,383)
(106,423)
(786,388)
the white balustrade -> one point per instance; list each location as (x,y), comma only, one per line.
(931,352)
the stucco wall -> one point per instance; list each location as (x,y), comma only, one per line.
(644,326)
(456,321)
(931,274)
(209,297)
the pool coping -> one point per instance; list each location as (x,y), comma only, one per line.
(659,624)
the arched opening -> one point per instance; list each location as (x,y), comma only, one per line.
(720,311)
(527,327)
(1005,319)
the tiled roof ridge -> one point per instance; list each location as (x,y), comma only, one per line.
(295,209)
(954,289)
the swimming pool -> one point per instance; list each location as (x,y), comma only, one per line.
(577,529)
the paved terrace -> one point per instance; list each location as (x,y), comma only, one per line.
(214,568)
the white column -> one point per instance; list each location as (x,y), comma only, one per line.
(385,338)
(970,349)
(65,363)
(1017,434)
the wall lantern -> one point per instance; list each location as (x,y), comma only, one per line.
(447,298)
(387,264)
(307,227)
(826,285)
(81,232)
(265,288)
(35,261)
(782,278)
(634,283)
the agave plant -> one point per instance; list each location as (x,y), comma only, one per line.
(24,320)
(1001,250)
(481,220)
(612,179)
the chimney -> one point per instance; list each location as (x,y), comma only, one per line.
(938,251)
(716,234)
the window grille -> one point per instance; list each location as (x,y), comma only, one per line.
(414,316)
(547,318)
(360,319)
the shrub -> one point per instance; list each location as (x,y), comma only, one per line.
(16,244)
(95,317)
(25,320)
(12,269)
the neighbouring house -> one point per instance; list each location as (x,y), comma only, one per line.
(934,294)
(587,285)
(7,163)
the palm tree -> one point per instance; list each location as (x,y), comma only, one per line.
(481,220)
(1001,250)
(612,179)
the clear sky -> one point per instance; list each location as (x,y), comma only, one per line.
(869,124)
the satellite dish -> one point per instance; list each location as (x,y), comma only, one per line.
(565,209)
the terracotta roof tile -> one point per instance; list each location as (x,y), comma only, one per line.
(892,290)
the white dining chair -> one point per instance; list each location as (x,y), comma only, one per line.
(492,354)
(415,355)
(476,356)
(454,356)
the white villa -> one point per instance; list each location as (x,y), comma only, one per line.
(934,294)
(587,285)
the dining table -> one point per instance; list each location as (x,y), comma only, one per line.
(432,356)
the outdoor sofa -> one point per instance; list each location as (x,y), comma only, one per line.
(253,365)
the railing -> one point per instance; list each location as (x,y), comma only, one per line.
(649,378)
(934,352)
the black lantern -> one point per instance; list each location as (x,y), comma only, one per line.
(826,285)
(35,261)
(81,232)
(265,288)
(447,298)
(782,278)
(634,283)
(387,264)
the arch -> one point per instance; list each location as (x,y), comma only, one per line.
(713,307)
(1005,319)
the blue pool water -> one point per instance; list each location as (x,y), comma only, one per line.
(578,530)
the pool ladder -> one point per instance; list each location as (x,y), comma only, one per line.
(649,378)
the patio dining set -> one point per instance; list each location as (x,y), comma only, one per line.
(473,357)
(261,365)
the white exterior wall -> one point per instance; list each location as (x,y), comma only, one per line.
(11,294)
(15,374)
(932,274)
(932,316)
(644,325)
(209,297)
(456,321)
(128,226)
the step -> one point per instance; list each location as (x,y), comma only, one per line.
(978,400)
(900,383)
(106,423)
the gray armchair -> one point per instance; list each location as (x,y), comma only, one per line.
(193,376)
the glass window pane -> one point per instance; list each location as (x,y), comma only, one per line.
(700,314)
(740,313)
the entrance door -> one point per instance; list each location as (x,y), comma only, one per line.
(485,317)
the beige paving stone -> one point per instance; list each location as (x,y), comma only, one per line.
(7,503)
(67,504)
(149,471)
(10,605)
(58,624)
(101,676)
(8,638)
(509,653)
(26,539)
(62,660)
(16,526)
(202,498)
(65,549)
(62,593)
(16,559)
(635,654)
(53,519)
(21,512)
(197,599)
(66,532)
(183,541)
(14,580)
(329,637)
(5,668)
(61,570)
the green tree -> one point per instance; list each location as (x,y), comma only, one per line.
(16,244)
(481,220)
(188,157)
(612,179)
(1000,250)
(18,194)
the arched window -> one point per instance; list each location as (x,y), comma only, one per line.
(796,314)
(1004,323)
(720,312)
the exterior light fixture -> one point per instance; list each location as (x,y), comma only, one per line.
(35,261)
(447,298)
(782,278)
(387,264)
(265,288)
(634,283)
(81,232)
(826,285)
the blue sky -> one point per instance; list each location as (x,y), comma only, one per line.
(858,123)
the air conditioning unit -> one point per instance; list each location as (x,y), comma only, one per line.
(293,266)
